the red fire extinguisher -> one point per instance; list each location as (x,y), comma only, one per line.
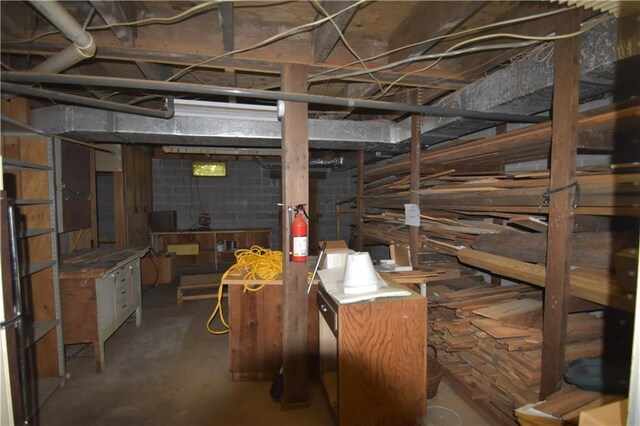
(299,246)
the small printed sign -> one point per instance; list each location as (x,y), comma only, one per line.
(412,214)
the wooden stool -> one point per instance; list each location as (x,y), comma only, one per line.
(190,283)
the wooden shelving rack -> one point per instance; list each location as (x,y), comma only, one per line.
(29,176)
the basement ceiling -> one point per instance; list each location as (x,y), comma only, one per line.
(244,45)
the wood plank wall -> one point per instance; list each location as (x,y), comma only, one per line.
(136,197)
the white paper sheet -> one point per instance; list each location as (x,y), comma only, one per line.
(332,283)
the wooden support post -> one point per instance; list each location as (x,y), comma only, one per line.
(295,190)
(563,168)
(414,197)
(360,203)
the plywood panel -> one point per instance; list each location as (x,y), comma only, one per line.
(76,190)
(382,361)
(255,334)
(136,166)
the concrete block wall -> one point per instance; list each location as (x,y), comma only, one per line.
(338,185)
(246,198)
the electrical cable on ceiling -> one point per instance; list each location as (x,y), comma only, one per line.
(442,37)
(148,21)
(346,43)
(446,36)
(452,52)
(87,21)
(587,27)
(438,56)
(284,34)
(267,41)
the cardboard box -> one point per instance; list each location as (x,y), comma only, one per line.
(160,269)
(335,254)
(335,245)
(613,414)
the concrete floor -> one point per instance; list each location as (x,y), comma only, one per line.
(170,371)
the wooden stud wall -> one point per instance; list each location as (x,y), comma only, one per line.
(136,170)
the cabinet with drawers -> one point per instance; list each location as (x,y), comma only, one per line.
(100,290)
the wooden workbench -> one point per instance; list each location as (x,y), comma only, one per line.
(99,290)
(207,240)
(255,334)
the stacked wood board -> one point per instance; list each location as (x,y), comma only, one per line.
(604,190)
(528,143)
(563,407)
(490,339)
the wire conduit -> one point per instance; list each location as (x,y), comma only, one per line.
(197,89)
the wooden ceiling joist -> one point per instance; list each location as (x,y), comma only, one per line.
(440,79)
(326,36)
(225,15)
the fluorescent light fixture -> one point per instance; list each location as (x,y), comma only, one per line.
(208,150)
(189,108)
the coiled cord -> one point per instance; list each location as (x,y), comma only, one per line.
(257,264)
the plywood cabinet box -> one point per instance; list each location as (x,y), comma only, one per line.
(160,269)
(373,358)
(100,290)
(255,336)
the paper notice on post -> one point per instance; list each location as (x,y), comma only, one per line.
(412,214)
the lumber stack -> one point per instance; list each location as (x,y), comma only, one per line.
(490,338)
(463,193)
(563,407)
(529,143)
(603,191)
(596,285)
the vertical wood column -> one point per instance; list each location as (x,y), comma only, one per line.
(360,203)
(563,170)
(414,197)
(295,190)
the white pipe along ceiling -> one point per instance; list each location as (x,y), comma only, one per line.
(83,46)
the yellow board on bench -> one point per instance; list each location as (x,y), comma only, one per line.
(194,283)
(183,249)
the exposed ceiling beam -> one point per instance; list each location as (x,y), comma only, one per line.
(356,91)
(430,20)
(599,76)
(155,71)
(225,15)
(436,78)
(326,36)
(114,12)
(442,20)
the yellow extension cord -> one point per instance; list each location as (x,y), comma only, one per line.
(257,264)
